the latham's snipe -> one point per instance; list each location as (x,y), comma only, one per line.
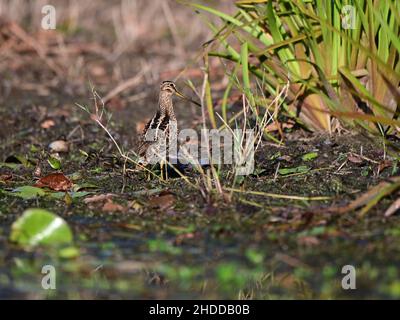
(162,128)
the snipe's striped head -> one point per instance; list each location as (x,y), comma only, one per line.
(169,88)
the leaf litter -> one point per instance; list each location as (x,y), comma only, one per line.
(55,181)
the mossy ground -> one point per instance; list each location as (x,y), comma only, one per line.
(252,247)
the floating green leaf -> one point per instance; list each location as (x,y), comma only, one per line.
(40,227)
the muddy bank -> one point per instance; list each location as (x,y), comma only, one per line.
(164,240)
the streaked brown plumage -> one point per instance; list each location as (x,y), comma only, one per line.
(161,122)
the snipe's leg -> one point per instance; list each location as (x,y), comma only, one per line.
(164,169)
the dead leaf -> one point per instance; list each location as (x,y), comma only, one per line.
(55,181)
(163,202)
(98,197)
(354,158)
(46,124)
(395,206)
(111,206)
(383,165)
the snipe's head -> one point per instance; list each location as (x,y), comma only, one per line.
(169,88)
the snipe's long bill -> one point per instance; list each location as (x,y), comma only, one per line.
(162,121)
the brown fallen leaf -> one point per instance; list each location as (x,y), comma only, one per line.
(98,198)
(163,202)
(55,181)
(383,165)
(46,124)
(354,158)
(111,206)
